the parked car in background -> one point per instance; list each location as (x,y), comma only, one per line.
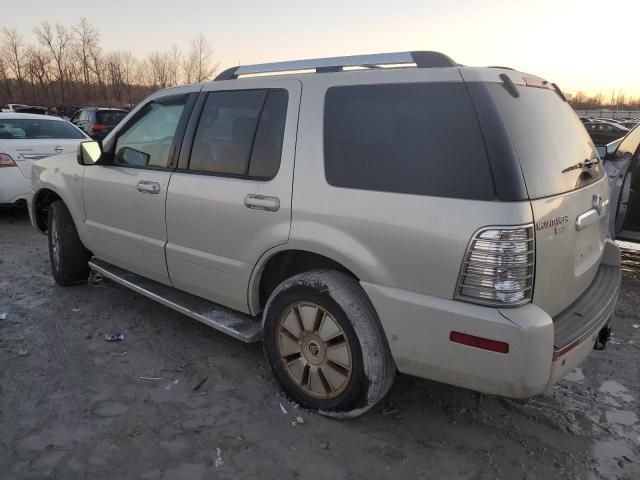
(97,122)
(621,161)
(25,138)
(603,132)
(32,109)
(10,107)
(630,124)
(483,262)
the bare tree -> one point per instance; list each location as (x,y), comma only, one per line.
(14,52)
(86,42)
(174,61)
(56,40)
(39,70)
(199,65)
(68,66)
(4,78)
(158,69)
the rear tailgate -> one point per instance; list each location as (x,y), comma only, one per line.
(567,259)
(565,182)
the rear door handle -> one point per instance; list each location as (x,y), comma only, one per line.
(260,202)
(145,186)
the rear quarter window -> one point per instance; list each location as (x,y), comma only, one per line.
(416,138)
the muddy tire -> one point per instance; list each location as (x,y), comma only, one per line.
(325,345)
(68,256)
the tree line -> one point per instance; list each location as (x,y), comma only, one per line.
(68,66)
(617,101)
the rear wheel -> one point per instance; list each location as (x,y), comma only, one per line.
(325,344)
(68,256)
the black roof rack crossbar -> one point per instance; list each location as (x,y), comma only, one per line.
(421,59)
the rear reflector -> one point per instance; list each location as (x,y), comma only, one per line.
(479,342)
(6,161)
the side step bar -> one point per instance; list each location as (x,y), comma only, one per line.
(238,325)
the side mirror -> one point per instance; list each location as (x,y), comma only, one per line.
(89,153)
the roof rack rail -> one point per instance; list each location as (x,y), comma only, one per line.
(422,59)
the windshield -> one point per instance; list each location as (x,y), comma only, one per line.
(110,117)
(26,128)
(554,150)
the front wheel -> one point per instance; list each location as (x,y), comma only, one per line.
(325,344)
(69,258)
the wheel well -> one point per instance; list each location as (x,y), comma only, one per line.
(41,203)
(292,262)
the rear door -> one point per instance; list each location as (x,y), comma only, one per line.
(566,183)
(230,199)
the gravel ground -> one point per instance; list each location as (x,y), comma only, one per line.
(177,400)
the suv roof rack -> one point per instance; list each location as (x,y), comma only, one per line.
(422,59)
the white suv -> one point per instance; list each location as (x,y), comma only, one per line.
(370,214)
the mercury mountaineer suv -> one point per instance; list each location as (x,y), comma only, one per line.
(361,215)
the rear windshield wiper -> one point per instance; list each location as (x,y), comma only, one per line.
(586,164)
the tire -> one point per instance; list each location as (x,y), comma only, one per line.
(325,345)
(68,256)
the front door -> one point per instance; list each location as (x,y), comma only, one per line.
(124,198)
(230,199)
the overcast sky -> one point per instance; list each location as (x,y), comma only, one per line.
(581,45)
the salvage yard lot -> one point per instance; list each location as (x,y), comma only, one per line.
(178,400)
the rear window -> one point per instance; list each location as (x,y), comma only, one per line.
(22,128)
(550,140)
(110,117)
(417,138)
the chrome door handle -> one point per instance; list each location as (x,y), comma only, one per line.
(260,202)
(145,186)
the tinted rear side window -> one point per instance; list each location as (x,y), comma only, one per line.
(419,138)
(110,118)
(549,138)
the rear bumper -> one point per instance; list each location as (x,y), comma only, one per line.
(576,328)
(418,329)
(14,185)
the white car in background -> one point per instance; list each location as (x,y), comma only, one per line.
(27,137)
(10,107)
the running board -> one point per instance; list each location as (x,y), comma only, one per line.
(236,324)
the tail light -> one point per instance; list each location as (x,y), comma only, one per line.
(498,268)
(6,161)
(98,127)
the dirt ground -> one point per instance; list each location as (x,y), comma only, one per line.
(177,400)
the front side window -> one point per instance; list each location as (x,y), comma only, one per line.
(240,133)
(147,142)
(28,129)
(416,138)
